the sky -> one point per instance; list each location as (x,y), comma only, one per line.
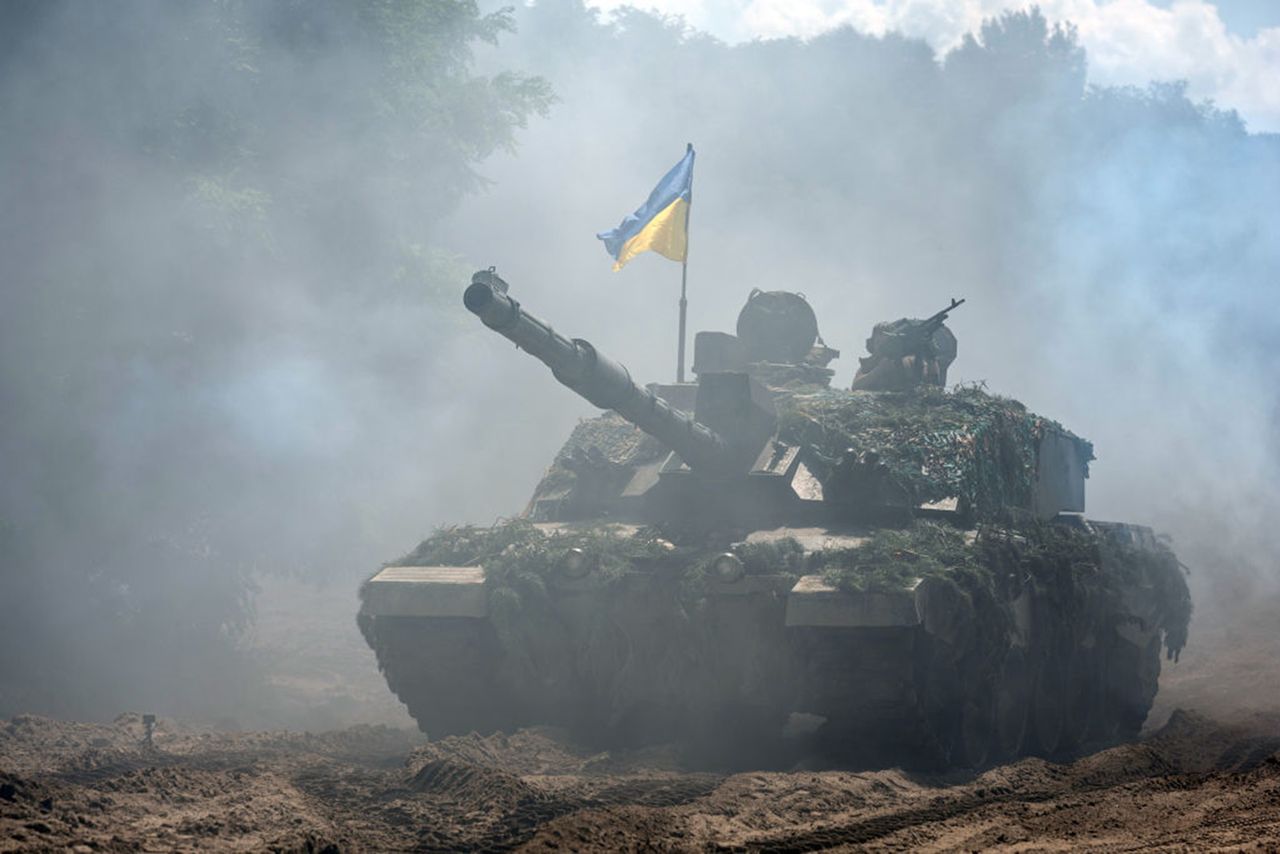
(1228,51)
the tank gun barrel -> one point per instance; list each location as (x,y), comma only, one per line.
(593,375)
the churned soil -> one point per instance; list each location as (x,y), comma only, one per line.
(99,787)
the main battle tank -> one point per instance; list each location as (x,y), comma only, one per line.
(756,566)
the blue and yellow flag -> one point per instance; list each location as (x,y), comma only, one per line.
(661,223)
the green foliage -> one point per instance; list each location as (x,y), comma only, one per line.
(1083,573)
(1018,59)
(895,559)
(784,556)
(1076,566)
(429,273)
(1166,579)
(223,209)
(617,440)
(1080,572)
(234,216)
(382,88)
(781,557)
(516,552)
(963,443)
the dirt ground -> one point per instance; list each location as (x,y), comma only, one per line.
(97,787)
(1206,776)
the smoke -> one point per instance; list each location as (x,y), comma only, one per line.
(1117,245)
(228,338)
(235,238)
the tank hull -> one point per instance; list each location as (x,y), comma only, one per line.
(771,665)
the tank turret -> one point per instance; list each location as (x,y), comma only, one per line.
(769,439)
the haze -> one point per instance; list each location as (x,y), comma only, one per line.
(235,236)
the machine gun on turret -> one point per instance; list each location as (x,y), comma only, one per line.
(907,337)
(907,352)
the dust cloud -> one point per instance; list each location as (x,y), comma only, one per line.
(235,238)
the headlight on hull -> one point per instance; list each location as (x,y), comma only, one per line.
(728,567)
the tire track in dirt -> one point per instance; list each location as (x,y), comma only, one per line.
(521,808)
(1192,758)
(1172,762)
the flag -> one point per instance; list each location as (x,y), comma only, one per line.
(661,224)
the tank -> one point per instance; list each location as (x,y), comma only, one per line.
(757,566)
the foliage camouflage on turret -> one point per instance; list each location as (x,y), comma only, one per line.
(618,440)
(937,444)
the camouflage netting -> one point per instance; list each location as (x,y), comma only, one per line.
(520,559)
(1078,571)
(517,553)
(618,441)
(894,559)
(782,376)
(617,438)
(937,444)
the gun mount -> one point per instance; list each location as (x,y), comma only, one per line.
(907,352)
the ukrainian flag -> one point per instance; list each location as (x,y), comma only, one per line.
(661,224)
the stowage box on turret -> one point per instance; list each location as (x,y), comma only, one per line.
(757,563)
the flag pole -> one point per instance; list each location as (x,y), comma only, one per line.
(684,281)
(684,304)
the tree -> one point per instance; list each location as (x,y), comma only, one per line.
(217,204)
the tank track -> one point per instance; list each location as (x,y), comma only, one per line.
(901,697)
(888,696)
(445,671)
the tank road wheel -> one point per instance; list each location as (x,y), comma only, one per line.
(1048,718)
(975,734)
(1106,724)
(1084,701)
(445,670)
(1013,701)
(1132,679)
(739,738)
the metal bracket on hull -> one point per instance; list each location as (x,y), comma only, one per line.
(426,591)
(813,602)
